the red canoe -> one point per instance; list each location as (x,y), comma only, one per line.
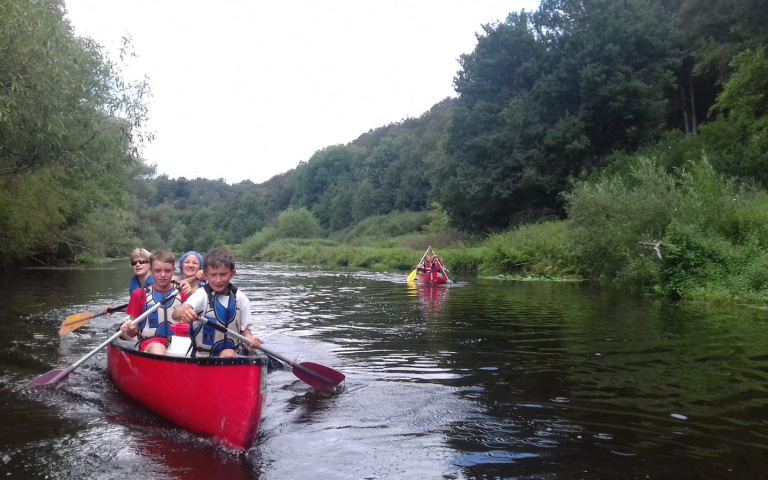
(432,278)
(218,396)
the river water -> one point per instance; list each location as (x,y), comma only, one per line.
(480,379)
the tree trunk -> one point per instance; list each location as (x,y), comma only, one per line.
(694,128)
(685,109)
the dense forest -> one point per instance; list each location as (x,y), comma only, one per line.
(547,99)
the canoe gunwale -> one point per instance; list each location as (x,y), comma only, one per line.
(254,357)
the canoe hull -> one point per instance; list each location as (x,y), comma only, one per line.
(432,278)
(216,396)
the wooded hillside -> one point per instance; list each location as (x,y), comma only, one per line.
(574,88)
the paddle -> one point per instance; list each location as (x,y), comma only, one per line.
(61,374)
(315,375)
(77,320)
(412,275)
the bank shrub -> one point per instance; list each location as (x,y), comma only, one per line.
(298,223)
(706,267)
(393,224)
(334,254)
(462,261)
(252,246)
(610,214)
(535,247)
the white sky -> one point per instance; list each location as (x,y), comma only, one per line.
(245,89)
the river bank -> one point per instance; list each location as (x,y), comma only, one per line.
(688,268)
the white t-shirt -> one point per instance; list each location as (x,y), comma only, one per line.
(199,301)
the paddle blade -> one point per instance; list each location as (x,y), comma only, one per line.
(73,322)
(48,378)
(317,376)
(412,276)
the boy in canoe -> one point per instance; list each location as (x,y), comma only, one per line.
(219,302)
(142,276)
(154,331)
(140,265)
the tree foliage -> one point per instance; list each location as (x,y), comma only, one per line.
(71,130)
(546,100)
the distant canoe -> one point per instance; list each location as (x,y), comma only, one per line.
(432,278)
(222,397)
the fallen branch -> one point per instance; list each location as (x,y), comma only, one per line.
(656,246)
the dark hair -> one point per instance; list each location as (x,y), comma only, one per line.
(163,255)
(219,257)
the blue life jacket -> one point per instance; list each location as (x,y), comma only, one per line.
(158,323)
(207,340)
(135,285)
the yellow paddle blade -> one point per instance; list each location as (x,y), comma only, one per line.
(412,276)
(78,317)
(73,322)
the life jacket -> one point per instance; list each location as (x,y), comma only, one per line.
(158,323)
(209,341)
(135,284)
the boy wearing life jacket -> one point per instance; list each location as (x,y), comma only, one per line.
(219,302)
(154,331)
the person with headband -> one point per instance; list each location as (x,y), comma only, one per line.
(191,268)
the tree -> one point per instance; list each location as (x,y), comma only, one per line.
(744,99)
(67,121)
(298,223)
(544,97)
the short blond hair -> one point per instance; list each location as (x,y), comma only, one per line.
(140,254)
(163,256)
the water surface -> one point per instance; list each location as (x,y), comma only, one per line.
(475,380)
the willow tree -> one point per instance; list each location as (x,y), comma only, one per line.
(71,131)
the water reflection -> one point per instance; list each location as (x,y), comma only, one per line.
(431,298)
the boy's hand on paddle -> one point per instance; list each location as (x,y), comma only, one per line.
(129,330)
(255,341)
(186,313)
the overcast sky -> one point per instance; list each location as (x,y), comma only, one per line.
(244,90)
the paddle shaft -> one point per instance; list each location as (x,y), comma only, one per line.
(109,310)
(283,359)
(65,372)
(114,309)
(422,257)
(413,273)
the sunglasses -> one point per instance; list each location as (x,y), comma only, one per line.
(138,262)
